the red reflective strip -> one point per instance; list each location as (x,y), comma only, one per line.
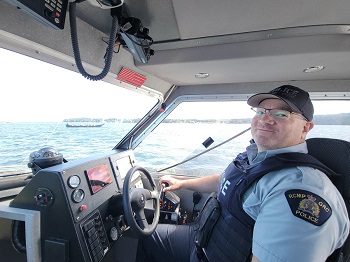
(131,77)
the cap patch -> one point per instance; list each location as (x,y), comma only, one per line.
(308,206)
(285,91)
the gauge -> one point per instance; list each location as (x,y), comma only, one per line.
(113,233)
(73,181)
(78,195)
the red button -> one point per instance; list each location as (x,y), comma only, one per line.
(83,207)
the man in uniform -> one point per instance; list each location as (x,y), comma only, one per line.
(271,208)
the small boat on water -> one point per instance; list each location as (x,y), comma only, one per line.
(84,125)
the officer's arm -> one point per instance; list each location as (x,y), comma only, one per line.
(254,259)
(206,184)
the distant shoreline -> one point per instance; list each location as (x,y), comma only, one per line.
(336,119)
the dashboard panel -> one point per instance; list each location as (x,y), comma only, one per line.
(80,204)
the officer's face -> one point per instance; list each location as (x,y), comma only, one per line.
(270,132)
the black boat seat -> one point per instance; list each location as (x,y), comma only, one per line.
(335,154)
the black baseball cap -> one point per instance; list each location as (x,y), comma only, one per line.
(297,99)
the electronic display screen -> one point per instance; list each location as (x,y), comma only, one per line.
(98,177)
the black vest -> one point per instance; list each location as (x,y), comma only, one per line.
(231,239)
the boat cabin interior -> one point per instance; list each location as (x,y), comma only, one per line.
(162,86)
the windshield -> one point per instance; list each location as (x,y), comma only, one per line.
(47,106)
(194,127)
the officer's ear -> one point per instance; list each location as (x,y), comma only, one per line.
(308,126)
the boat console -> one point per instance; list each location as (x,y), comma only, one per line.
(80,205)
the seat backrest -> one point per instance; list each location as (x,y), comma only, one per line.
(335,154)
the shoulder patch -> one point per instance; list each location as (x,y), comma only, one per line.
(308,206)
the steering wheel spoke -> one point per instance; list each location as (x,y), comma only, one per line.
(141,219)
(134,202)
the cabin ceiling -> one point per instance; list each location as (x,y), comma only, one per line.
(234,41)
(240,41)
(181,20)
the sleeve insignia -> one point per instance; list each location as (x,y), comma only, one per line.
(308,206)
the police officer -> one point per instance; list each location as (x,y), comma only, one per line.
(271,210)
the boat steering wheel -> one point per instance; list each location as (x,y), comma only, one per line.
(134,201)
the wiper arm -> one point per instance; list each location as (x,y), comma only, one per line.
(205,151)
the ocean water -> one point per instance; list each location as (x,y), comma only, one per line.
(19,140)
(168,145)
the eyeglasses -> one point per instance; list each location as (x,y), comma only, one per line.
(275,113)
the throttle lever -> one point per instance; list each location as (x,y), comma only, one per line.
(162,193)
